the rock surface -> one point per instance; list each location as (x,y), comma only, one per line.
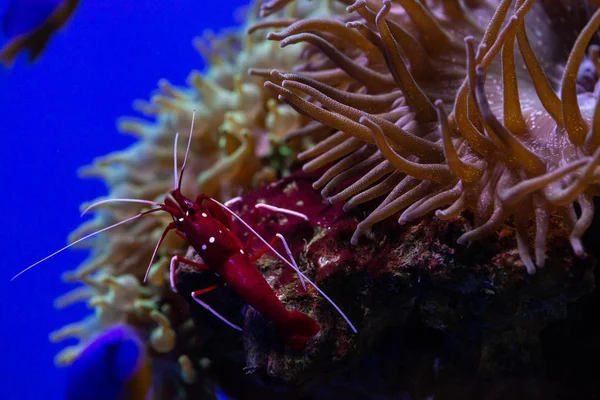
(429,312)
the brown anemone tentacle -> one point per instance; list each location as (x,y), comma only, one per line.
(487,53)
(507,31)
(494,26)
(548,98)
(322,25)
(465,114)
(412,143)
(558,196)
(575,125)
(352,159)
(594,56)
(269,7)
(592,140)
(542,222)
(469,85)
(522,242)
(313,128)
(432,33)
(377,190)
(413,93)
(333,154)
(430,203)
(464,171)
(332,119)
(368,34)
(453,210)
(431,172)
(324,145)
(524,188)
(372,175)
(487,192)
(368,77)
(402,140)
(333,77)
(390,209)
(277,23)
(516,150)
(496,219)
(355,171)
(260,72)
(456,11)
(411,48)
(402,187)
(513,116)
(369,103)
(395,37)
(586,204)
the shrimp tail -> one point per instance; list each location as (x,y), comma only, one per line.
(298,328)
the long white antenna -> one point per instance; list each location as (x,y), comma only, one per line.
(187,150)
(88,208)
(215,313)
(82,239)
(282,210)
(162,238)
(175,160)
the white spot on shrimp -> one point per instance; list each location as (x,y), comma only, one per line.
(204,215)
(203,247)
(211,240)
(180,219)
(241,251)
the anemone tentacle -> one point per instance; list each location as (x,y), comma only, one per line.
(427,128)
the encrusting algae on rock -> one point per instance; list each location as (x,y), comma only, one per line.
(477,120)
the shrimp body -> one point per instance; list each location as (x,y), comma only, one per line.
(244,278)
(208,231)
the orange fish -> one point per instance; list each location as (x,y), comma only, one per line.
(29,24)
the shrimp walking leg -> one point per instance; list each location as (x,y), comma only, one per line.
(262,252)
(185,261)
(287,250)
(197,293)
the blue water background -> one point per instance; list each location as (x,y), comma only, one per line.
(56,116)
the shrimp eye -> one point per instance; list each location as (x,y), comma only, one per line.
(178,222)
(190,211)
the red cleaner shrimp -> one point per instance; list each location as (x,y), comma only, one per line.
(207,225)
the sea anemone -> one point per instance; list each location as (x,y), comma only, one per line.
(449,106)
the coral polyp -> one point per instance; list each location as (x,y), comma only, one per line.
(433,109)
